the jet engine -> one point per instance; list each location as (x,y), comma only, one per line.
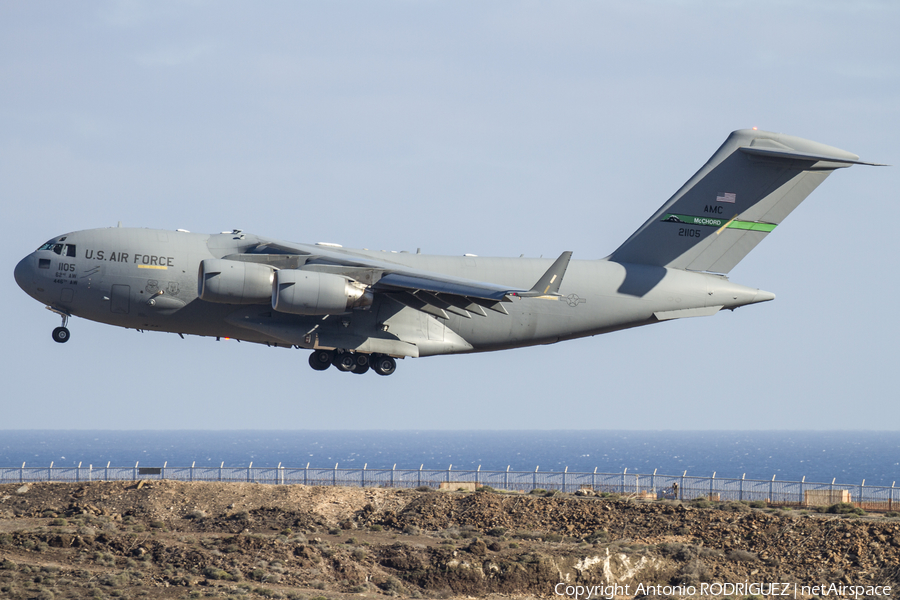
(234,282)
(313,293)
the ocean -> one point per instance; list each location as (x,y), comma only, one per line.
(819,456)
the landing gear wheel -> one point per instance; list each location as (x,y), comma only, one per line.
(384,365)
(359,370)
(345,361)
(320,360)
(61,335)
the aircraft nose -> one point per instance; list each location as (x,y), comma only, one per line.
(23,273)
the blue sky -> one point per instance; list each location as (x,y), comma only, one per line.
(495,128)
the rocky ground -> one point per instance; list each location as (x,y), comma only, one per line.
(166,539)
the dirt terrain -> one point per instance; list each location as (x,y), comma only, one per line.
(166,539)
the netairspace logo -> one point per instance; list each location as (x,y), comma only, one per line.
(788,590)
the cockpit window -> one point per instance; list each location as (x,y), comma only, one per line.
(61,249)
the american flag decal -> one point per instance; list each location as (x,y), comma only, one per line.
(726,197)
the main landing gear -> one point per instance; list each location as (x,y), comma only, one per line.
(352,362)
(61,334)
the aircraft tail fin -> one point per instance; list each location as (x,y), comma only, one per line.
(752,182)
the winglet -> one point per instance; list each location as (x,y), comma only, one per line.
(549,283)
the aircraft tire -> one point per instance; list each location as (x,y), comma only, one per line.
(61,335)
(384,365)
(320,360)
(344,361)
(360,369)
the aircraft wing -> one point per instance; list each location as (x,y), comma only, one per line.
(438,294)
(430,292)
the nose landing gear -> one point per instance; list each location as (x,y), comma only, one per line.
(61,335)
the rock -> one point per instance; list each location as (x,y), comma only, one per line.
(668,539)
(24,489)
(478,548)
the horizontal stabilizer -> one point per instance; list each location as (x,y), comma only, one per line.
(794,155)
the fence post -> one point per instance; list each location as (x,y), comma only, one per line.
(164,470)
(22,473)
(363,475)
(772,489)
(652,480)
(133,474)
(891,497)
(192,469)
(50,472)
(306,474)
(278,474)
(90,472)
(712,480)
(392,474)
(106,475)
(861,492)
(566,470)
(802,481)
(248,471)
(594,478)
(477,471)
(222,466)
(681,487)
(506,478)
(420,475)
(623,479)
(741,492)
(448,475)
(334,475)
(534,479)
(77,472)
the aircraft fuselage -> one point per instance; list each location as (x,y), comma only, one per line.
(148,280)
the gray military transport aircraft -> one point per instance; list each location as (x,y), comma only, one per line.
(359,309)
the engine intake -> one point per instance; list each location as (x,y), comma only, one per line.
(313,293)
(234,282)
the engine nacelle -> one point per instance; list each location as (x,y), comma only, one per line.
(313,293)
(234,282)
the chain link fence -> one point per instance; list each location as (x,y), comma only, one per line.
(654,486)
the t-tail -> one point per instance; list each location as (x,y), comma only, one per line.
(741,194)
